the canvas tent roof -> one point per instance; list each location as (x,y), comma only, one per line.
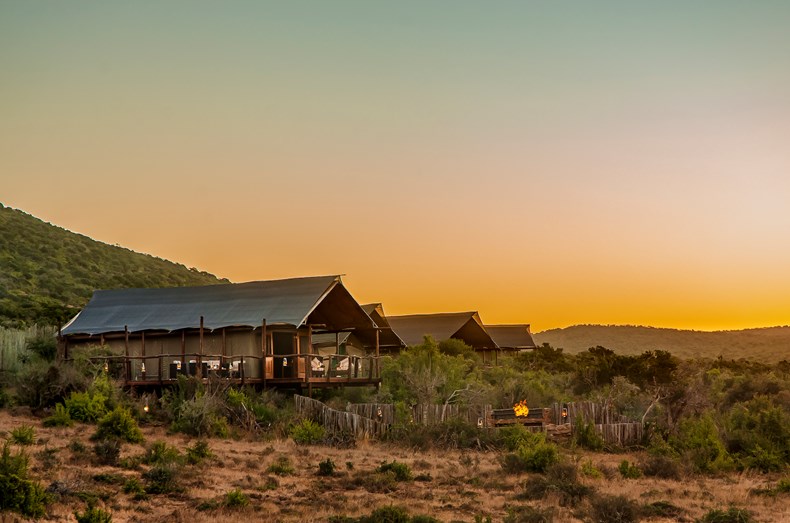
(387,337)
(511,336)
(465,326)
(322,299)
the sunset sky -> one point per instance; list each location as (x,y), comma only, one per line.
(550,163)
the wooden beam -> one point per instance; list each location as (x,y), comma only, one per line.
(264,350)
(126,348)
(199,363)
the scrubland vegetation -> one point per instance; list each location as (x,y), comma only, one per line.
(717,447)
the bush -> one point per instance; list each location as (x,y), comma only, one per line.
(82,406)
(699,442)
(591,471)
(160,453)
(59,418)
(236,499)
(19,494)
(282,466)
(119,424)
(23,435)
(613,509)
(561,479)
(133,486)
(629,470)
(41,384)
(198,452)
(663,509)
(201,416)
(533,455)
(401,471)
(307,432)
(388,514)
(663,467)
(326,467)
(586,436)
(161,479)
(107,451)
(731,515)
(93,515)
(783,486)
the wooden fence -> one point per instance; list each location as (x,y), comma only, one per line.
(381,412)
(433,414)
(615,429)
(337,420)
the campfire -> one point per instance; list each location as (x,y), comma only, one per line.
(521,409)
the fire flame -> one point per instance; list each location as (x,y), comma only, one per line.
(521,409)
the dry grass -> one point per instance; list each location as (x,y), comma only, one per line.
(461,485)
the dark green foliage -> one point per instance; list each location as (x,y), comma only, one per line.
(454,347)
(533,454)
(388,514)
(527,514)
(194,410)
(19,494)
(23,435)
(731,515)
(629,470)
(107,451)
(236,499)
(86,407)
(162,479)
(49,273)
(759,435)
(401,471)
(783,486)
(326,467)
(93,514)
(119,424)
(134,487)
(198,452)
(160,453)
(59,418)
(307,432)
(699,442)
(586,436)
(561,479)
(451,434)
(44,347)
(613,509)
(41,384)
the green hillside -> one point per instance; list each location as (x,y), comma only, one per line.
(48,273)
(770,345)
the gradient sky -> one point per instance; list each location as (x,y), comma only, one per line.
(551,163)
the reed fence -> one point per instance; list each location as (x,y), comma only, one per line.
(337,420)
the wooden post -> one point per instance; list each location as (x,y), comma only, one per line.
(126,346)
(378,332)
(142,344)
(101,340)
(241,369)
(199,370)
(224,350)
(184,351)
(263,351)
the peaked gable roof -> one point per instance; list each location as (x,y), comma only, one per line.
(279,302)
(511,336)
(465,326)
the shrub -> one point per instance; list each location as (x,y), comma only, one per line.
(160,453)
(661,467)
(82,406)
(198,452)
(534,454)
(629,470)
(591,471)
(133,486)
(401,471)
(699,442)
(613,509)
(388,514)
(731,515)
(107,451)
(119,423)
(586,436)
(93,515)
(19,494)
(200,416)
(326,467)
(561,479)
(759,435)
(236,499)
(161,479)
(663,509)
(23,435)
(41,384)
(783,486)
(307,432)
(282,466)
(59,418)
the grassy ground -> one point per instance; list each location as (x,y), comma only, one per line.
(450,485)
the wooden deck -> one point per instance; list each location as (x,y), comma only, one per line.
(302,371)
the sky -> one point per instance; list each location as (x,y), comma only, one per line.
(551,163)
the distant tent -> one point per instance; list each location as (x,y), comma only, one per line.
(512,337)
(464,326)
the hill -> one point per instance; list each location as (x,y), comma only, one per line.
(770,345)
(48,273)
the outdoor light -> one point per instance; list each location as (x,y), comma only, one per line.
(145,408)
(106,366)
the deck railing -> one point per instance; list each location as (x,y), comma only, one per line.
(280,368)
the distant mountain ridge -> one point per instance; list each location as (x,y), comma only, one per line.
(768,344)
(47,273)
